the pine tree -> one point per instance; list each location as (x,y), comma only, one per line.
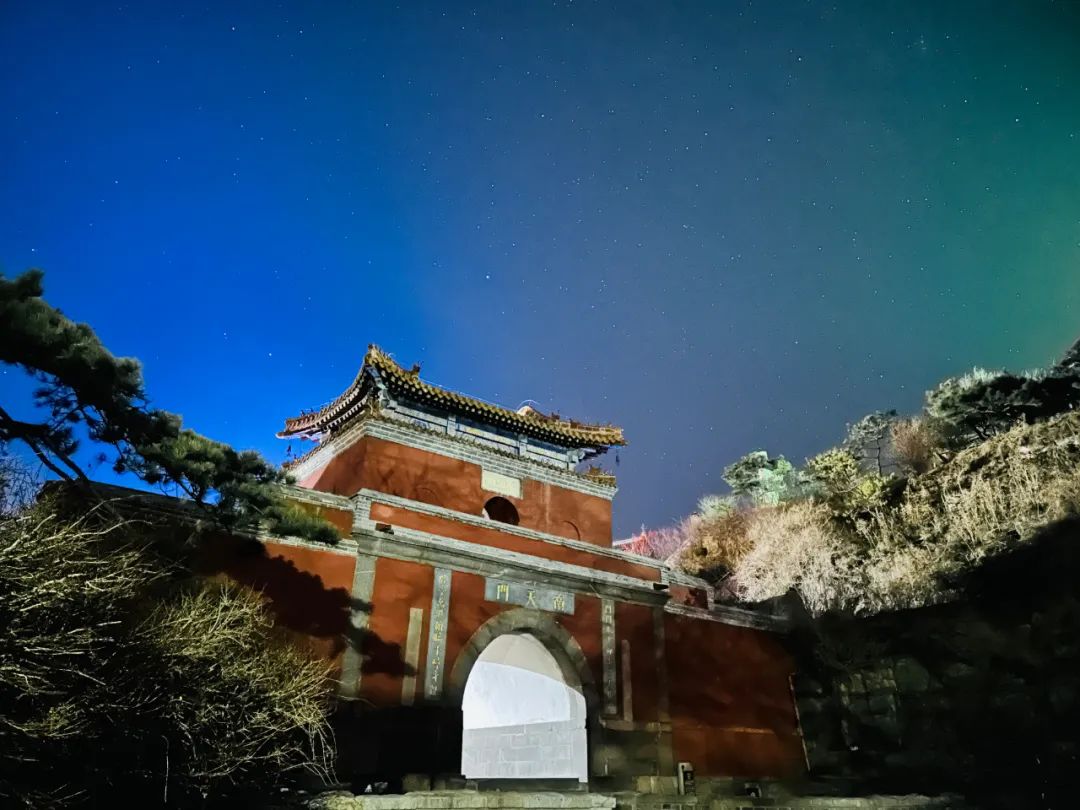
(1071,358)
(980,404)
(83,386)
(868,440)
(766,481)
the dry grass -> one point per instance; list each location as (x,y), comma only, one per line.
(999,493)
(896,573)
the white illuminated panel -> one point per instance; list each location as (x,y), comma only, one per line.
(502,484)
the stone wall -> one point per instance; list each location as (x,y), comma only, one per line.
(526,751)
(979,696)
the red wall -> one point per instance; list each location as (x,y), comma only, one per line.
(399,586)
(634,623)
(584,626)
(732,711)
(731,707)
(468,610)
(730,702)
(432,478)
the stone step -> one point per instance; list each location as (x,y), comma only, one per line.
(464,800)
(552,800)
(911,802)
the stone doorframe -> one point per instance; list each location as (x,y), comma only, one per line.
(556,639)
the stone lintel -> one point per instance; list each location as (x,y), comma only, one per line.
(460,555)
(431,549)
(738,617)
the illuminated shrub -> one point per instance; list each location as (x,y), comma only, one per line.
(916,444)
(124,681)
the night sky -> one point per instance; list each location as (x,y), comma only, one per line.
(722,226)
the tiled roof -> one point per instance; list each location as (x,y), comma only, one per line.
(379,369)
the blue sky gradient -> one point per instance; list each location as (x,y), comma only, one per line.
(722,226)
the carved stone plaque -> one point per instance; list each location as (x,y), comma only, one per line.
(526,595)
(436,651)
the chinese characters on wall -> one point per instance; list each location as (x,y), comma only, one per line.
(527,595)
(607,640)
(436,652)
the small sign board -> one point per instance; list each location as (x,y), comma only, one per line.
(687,785)
(530,596)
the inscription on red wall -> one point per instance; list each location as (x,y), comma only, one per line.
(528,595)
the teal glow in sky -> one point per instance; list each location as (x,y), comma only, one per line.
(723,226)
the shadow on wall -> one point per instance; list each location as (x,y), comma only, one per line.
(302,604)
(374,744)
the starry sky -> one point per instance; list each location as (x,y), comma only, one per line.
(723,226)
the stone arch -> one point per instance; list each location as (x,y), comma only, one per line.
(558,641)
(562,646)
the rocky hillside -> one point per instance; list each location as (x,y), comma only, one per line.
(979,695)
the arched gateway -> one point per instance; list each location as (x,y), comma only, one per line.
(465,523)
(527,696)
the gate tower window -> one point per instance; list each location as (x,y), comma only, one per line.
(501,510)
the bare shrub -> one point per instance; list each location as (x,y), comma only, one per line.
(717,543)
(995,511)
(18,485)
(805,548)
(795,547)
(711,506)
(916,445)
(122,680)
(901,577)
(251,701)
(898,570)
(60,600)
